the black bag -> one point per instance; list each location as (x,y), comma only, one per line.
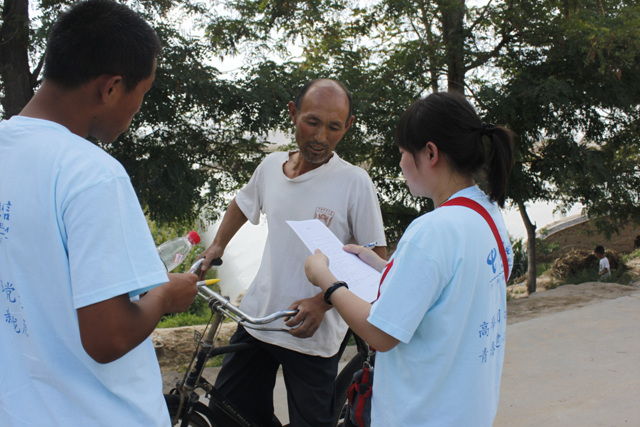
(360,391)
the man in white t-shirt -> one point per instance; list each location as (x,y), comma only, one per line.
(311,182)
(75,248)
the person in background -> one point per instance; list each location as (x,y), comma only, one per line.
(311,182)
(604,268)
(439,323)
(75,248)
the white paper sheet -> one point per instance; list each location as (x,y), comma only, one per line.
(362,279)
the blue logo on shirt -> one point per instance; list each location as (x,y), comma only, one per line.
(491,259)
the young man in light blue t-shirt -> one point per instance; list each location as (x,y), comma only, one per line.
(75,248)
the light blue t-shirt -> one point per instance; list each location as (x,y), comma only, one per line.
(72,233)
(444,298)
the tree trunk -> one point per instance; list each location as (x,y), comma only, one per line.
(453,36)
(531,248)
(15,74)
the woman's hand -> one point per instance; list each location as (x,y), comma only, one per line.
(367,255)
(316,267)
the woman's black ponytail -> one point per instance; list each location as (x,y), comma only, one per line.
(499,163)
(449,121)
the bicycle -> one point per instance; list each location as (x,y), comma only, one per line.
(183,401)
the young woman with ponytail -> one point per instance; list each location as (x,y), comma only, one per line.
(440,320)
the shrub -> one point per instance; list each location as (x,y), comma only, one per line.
(198,313)
(545,250)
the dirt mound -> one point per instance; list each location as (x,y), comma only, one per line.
(577,260)
(564,298)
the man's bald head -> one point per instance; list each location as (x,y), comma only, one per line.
(323,83)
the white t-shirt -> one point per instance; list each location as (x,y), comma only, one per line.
(443,296)
(339,194)
(71,234)
(604,265)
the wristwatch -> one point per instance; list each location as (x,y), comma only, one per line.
(331,289)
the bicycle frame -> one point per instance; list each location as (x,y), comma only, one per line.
(183,400)
(185,390)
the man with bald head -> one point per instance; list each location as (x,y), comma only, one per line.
(311,182)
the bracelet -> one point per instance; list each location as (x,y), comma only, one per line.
(331,289)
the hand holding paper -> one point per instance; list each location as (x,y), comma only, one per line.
(362,279)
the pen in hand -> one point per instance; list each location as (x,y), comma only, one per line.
(370,245)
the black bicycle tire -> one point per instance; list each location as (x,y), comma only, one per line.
(196,419)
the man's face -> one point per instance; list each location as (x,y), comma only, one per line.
(117,117)
(321,122)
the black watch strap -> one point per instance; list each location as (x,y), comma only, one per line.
(331,289)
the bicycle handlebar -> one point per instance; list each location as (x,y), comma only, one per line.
(222,304)
(196,265)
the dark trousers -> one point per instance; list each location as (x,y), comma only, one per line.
(247,378)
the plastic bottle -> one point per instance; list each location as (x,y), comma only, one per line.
(174,251)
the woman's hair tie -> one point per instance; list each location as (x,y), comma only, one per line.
(486,128)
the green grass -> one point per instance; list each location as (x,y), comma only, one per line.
(589,275)
(198,314)
(633,255)
(184,319)
(542,267)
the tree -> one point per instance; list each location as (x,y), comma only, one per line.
(15,74)
(388,54)
(560,73)
(570,94)
(181,141)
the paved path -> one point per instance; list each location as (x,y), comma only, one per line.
(579,367)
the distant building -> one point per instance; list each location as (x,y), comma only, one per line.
(576,232)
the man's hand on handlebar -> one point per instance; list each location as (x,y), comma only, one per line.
(211,256)
(309,318)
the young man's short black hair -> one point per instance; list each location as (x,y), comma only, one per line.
(599,249)
(97,37)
